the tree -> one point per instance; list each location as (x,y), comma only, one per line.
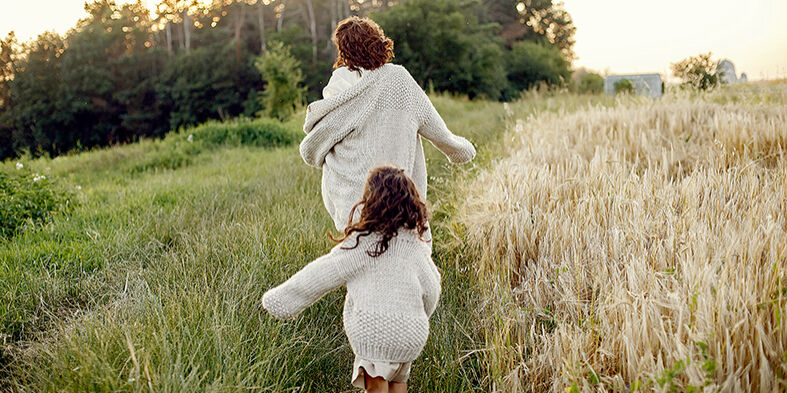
(205,83)
(315,75)
(105,62)
(587,82)
(530,63)
(118,75)
(533,20)
(35,96)
(281,71)
(311,21)
(8,54)
(697,72)
(443,45)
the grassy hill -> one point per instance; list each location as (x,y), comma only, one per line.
(151,278)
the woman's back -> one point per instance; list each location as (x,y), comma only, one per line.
(378,121)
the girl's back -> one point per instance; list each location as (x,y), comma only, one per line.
(380,298)
(392,284)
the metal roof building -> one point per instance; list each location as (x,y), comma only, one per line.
(644,84)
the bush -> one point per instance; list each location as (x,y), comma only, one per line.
(260,133)
(29,199)
(530,63)
(281,71)
(698,72)
(179,148)
(590,83)
(624,86)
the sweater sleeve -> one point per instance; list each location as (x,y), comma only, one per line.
(308,285)
(321,136)
(432,127)
(431,294)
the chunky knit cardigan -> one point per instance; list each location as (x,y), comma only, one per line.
(389,298)
(378,120)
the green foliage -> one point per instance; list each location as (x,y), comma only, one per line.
(708,365)
(530,63)
(259,133)
(7,56)
(28,199)
(206,83)
(315,74)
(538,21)
(442,44)
(624,86)
(89,88)
(281,71)
(590,83)
(178,149)
(697,72)
(33,112)
(103,74)
(120,75)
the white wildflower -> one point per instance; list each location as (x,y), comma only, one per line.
(190,138)
(519,127)
(19,165)
(38,177)
(508,110)
(79,188)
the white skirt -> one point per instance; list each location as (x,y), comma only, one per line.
(390,371)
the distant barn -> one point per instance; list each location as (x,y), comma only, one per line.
(644,84)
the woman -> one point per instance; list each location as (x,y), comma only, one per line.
(374,113)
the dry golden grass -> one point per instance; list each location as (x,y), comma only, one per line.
(637,248)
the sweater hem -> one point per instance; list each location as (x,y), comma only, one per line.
(386,354)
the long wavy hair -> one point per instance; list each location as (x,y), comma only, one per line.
(390,202)
(360,42)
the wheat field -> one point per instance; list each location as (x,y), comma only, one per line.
(637,247)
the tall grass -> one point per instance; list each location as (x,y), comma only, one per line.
(43,269)
(153,282)
(640,247)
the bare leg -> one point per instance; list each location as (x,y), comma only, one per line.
(397,387)
(376,384)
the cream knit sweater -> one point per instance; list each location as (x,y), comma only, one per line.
(378,120)
(389,298)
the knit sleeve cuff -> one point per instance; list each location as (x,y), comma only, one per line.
(274,305)
(464,152)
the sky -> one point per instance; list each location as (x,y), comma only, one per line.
(613,36)
(635,36)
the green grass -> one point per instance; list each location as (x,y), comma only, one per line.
(153,282)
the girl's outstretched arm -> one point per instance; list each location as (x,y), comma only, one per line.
(311,283)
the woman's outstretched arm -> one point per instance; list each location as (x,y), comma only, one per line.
(432,127)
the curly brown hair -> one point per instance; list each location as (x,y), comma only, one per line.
(361,44)
(390,202)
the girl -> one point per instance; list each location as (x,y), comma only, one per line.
(392,284)
(373,113)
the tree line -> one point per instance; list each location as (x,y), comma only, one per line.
(123,73)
